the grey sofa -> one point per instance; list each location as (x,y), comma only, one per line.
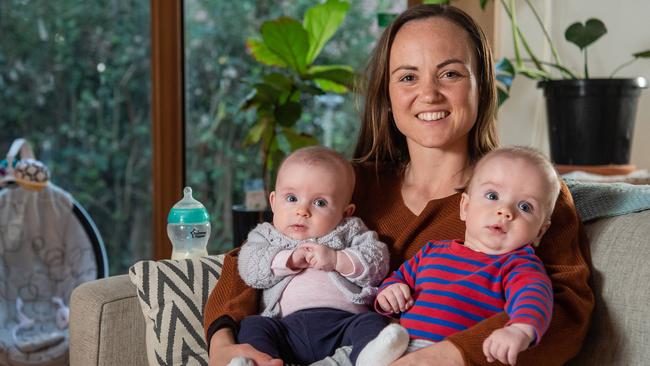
(107,326)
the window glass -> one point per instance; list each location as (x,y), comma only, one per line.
(218,71)
(75,81)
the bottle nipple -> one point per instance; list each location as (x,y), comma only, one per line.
(188,201)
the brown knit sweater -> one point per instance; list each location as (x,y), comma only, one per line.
(563,250)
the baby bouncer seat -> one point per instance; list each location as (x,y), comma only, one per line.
(48,246)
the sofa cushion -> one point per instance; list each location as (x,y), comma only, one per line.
(620,249)
(172,294)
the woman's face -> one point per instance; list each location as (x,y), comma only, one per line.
(433,84)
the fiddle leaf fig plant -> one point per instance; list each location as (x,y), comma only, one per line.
(289,49)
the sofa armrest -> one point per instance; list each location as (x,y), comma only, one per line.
(618,335)
(106,324)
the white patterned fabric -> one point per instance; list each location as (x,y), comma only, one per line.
(44,254)
(172,294)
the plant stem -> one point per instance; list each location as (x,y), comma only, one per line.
(545,31)
(567,73)
(518,35)
(622,66)
(266,151)
(586,65)
(514,28)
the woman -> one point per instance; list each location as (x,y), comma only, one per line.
(429,114)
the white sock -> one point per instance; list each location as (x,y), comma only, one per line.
(387,347)
(241,361)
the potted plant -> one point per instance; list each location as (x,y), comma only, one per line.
(590,120)
(288,49)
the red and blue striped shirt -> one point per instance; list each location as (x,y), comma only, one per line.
(455,287)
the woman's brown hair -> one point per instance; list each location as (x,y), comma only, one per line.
(379,139)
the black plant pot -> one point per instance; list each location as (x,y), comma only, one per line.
(243,220)
(591,121)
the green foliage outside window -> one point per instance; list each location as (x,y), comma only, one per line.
(75,82)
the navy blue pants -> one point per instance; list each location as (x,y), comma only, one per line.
(310,335)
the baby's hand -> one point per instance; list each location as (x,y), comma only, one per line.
(319,256)
(504,344)
(395,298)
(298,259)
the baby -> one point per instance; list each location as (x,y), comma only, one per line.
(318,267)
(448,286)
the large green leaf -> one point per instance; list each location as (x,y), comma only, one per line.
(329,86)
(278,81)
(321,22)
(288,114)
(310,88)
(286,38)
(261,53)
(584,35)
(263,93)
(341,75)
(255,133)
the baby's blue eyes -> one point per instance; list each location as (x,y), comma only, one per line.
(291,198)
(492,196)
(319,202)
(525,206)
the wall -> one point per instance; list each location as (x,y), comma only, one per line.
(522,119)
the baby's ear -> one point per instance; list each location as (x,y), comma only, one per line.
(464,201)
(349,210)
(272,199)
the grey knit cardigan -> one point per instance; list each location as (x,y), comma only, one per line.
(265,242)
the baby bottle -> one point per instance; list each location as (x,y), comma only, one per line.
(188,227)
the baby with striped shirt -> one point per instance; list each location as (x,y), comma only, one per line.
(450,285)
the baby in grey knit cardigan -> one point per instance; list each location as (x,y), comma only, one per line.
(318,267)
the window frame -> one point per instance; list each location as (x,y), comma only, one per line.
(167,116)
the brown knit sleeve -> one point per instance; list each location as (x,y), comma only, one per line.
(230,300)
(565,253)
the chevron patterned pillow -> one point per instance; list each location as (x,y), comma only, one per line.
(172,295)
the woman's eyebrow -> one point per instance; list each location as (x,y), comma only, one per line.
(404,67)
(450,61)
(440,65)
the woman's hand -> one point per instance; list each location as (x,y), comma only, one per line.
(395,298)
(223,349)
(440,354)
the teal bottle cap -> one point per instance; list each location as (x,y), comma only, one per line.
(188,210)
